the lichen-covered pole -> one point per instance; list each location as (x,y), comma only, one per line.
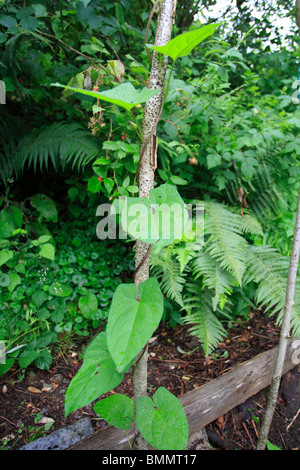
(153,107)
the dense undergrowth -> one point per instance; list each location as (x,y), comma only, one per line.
(42,299)
(228,137)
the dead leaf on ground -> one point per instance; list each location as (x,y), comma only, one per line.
(34,390)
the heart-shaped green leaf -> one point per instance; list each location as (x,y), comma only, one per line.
(60,290)
(117,410)
(131,323)
(124,95)
(47,251)
(161,217)
(183,44)
(27,357)
(5,255)
(88,305)
(162,422)
(97,376)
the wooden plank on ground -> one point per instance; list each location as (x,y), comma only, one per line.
(210,401)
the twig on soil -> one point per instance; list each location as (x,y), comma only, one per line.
(255,429)
(249,437)
(10,422)
(293,420)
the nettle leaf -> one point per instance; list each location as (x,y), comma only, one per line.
(47,251)
(117,410)
(4,280)
(162,422)
(97,376)
(183,44)
(15,280)
(45,206)
(5,255)
(161,217)
(131,323)
(12,216)
(124,95)
(39,297)
(27,357)
(6,230)
(44,360)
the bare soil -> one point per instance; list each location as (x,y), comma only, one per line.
(176,362)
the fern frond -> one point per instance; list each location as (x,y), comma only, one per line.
(250,224)
(206,326)
(225,243)
(264,199)
(171,279)
(60,143)
(9,162)
(269,269)
(214,277)
(184,253)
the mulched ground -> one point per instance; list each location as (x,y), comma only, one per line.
(175,362)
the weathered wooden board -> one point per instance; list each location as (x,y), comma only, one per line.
(210,401)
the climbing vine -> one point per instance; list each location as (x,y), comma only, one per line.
(136,309)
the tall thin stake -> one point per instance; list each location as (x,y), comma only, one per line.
(284,335)
(151,117)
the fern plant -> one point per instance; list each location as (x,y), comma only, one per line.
(269,270)
(205,323)
(205,285)
(59,144)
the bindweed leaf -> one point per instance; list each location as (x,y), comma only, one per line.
(117,410)
(183,44)
(124,95)
(161,217)
(97,376)
(131,323)
(162,422)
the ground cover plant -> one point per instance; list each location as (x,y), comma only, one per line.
(44,295)
(223,141)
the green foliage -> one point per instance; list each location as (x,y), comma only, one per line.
(124,95)
(183,44)
(162,421)
(97,371)
(133,317)
(227,136)
(158,219)
(206,325)
(218,277)
(61,144)
(51,289)
(117,410)
(269,270)
(132,322)
(225,242)
(215,278)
